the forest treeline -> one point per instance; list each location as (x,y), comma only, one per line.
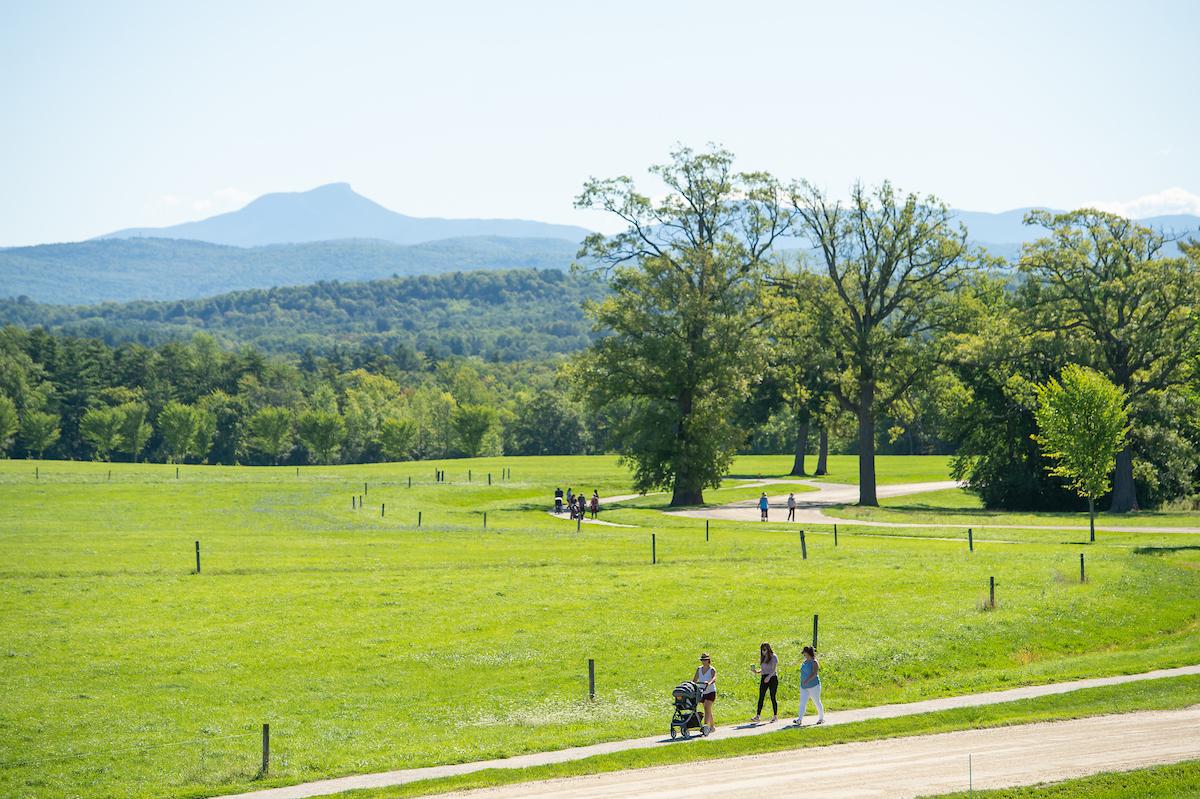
(512,315)
(697,339)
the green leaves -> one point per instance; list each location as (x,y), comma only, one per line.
(1082,424)
(682,329)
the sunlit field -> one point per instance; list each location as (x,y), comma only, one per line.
(370,642)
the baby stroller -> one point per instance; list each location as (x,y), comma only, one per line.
(687,698)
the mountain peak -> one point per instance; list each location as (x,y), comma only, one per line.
(335,211)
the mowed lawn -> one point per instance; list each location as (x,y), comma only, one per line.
(369,643)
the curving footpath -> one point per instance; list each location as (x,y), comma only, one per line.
(811,507)
(1101,751)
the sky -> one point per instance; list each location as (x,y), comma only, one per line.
(123,114)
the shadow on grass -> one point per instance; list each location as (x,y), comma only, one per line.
(1164,550)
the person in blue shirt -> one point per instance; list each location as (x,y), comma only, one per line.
(763,505)
(810,685)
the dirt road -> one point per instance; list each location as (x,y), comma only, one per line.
(904,767)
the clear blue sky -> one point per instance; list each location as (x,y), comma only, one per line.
(118,113)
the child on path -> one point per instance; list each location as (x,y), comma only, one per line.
(762,506)
(767,668)
(791,507)
(810,686)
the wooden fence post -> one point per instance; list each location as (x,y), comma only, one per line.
(835,535)
(1081,575)
(815,632)
(197,557)
(992,591)
(653,550)
(418,518)
(266,749)
(591,679)
(706,529)
(803,547)
(970,539)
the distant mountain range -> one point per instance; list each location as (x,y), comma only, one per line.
(332,233)
(117,270)
(335,211)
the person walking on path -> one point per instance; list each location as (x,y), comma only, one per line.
(767,669)
(595,503)
(558,500)
(810,686)
(706,678)
(791,507)
(763,505)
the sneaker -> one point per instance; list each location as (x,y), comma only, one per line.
(799,722)
(773,719)
(757,718)
(820,721)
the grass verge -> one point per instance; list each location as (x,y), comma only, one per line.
(1165,694)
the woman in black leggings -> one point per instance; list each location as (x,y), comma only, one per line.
(767,668)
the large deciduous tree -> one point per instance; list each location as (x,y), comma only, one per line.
(891,260)
(681,324)
(1109,280)
(1082,424)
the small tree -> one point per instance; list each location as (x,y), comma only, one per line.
(8,423)
(179,425)
(471,425)
(271,432)
(396,437)
(1082,423)
(101,427)
(135,430)
(322,432)
(39,431)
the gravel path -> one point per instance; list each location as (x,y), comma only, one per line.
(384,779)
(904,767)
(811,507)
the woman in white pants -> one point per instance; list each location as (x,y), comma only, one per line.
(810,686)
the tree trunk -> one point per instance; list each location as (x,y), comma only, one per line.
(1124,496)
(1091,520)
(686,489)
(823,453)
(866,444)
(801,450)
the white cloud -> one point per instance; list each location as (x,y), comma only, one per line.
(1168,201)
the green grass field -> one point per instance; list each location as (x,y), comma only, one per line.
(369,643)
(1176,781)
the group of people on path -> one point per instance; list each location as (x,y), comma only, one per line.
(763,505)
(767,670)
(577,504)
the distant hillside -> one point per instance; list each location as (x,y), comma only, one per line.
(161,269)
(336,211)
(503,316)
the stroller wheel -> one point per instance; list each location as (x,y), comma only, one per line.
(672,732)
